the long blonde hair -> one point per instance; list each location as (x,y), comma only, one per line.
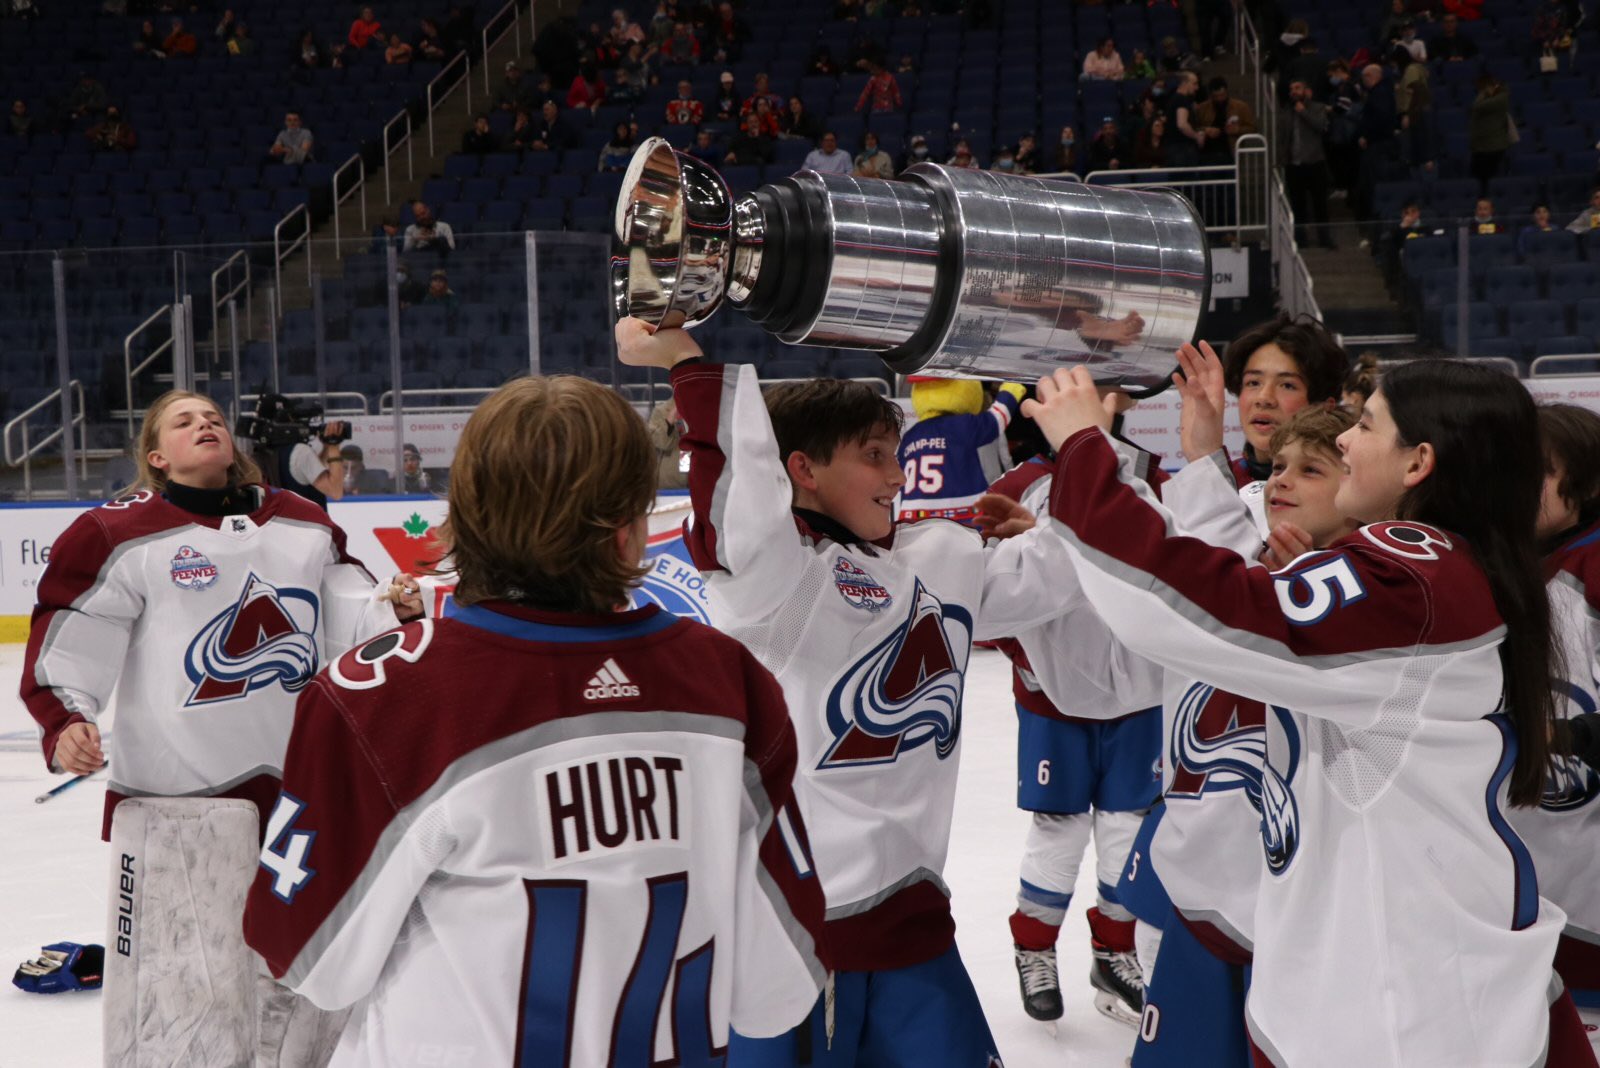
(241,471)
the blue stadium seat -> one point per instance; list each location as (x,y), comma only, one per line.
(1510,285)
(506,354)
(1564,345)
(1586,317)
(1572,282)
(1548,249)
(479,320)
(1483,322)
(1536,319)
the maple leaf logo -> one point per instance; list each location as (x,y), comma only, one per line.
(415,527)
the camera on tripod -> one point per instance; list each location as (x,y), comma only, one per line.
(280,420)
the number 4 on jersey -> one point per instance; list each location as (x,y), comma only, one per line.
(285,852)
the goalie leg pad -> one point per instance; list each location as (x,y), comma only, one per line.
(180,981)
(293,1032)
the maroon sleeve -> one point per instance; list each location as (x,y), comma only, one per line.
(344,803)
(697,388)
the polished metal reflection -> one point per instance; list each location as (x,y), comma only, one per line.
(945,272)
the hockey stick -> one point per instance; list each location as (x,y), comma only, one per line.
(64,787)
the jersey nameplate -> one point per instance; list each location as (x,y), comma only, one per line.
(613,803)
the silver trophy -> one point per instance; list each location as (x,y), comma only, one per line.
(947,271)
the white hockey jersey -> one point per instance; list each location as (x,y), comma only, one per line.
(870,643)
(1563,833)
(592,859)
(206,627)
(1398,920)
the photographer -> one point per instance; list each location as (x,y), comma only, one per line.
(315,468)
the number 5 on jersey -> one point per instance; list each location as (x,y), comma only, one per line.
(925,474)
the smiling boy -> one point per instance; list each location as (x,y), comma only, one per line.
(868,626)
(1274,369)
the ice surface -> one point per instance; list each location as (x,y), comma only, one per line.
(53,888)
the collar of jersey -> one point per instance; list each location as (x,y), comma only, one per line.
(539,625)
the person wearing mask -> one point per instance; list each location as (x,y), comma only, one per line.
(1483,220)
(872,161)
(1067,150)
(917,151)
(1342,95)
(1107,149)
(1005,160)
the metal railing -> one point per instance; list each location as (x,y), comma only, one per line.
(390,148)
(434,103)
(129,371)
(279,253)
(1553,366)
(513,27)
(1231,198)
(339,198)
(28,449)
(1290,276)
(334,402)
(477,393)
(220,297)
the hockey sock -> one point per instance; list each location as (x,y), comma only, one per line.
(1114,935)
(1031,933)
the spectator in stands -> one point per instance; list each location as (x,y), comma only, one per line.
(1152,149)
(1451,45)
(112,134)
(428,234)
(1541,224)
(1027,154)
(550,134)
(480,140)
(1483,220)
(729,33)
(726,105)
(1413,99)
(440,295)
(1140,67)
(1183,148)
(588,89)
(1489,133)
(19,122)
(1175,59)
(661,24)
(821,62)
(364,31)
(907,65)
(872,161)
(681,47)
(179,41)
(827,158)
(1225,119)
(1394,21)
(1393,241)
(1306,175)
(635,66)
(1067,150)
(763,92)
(87,99)
(916,152)
(520,137)
(311,55)
(1005,160)
(1287,47)
(148,43)
(963,157)
(225,26)
(514,92)
(1376,130)
(797,122)
(1589,218)
(241,43)
(1553,26)
(623,92)
(705,148)
(357,479)
(386,233)
(685,110)
(430,44)
(750,146)
(414,477)
(398,53)
(1342,95)
(597,46)
(769,118)
(624,31)
(1411,44)
(1107,149)
(294,142)
(1104,63)
(881,92)
(617,152)
(411,289)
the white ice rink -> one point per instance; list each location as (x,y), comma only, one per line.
(53,888)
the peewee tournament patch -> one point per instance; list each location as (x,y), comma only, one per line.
(859,589)
(192,569)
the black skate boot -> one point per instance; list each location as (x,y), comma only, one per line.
(1041,985)
(1115,975)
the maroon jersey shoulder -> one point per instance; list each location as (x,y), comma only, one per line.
(1015,482)
(1440,588)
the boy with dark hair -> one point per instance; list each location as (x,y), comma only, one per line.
(868,626)
(1274,369)
(614,801)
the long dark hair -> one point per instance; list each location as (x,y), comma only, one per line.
(1485,486)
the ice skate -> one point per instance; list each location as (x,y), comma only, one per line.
(1041,984)
(1118,985)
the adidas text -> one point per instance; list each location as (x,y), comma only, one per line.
(609,683)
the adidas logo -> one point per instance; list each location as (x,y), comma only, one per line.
(609,683)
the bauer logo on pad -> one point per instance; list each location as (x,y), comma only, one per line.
(192,570)
(859,589)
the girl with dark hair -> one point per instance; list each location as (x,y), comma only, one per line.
(1562,830)
(1360,383)
(1406,670)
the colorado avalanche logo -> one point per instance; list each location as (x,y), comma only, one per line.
(267,637)
(859,589)
(1571,783)
(192,570)
(905,692)
(1219,742)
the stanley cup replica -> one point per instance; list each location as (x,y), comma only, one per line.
(946,271)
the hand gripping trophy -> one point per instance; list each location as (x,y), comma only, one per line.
(947,272)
